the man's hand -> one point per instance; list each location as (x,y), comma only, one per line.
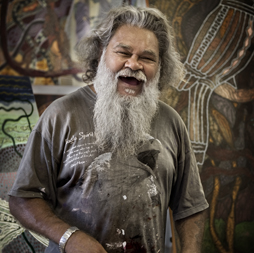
(190,231)
(36,215)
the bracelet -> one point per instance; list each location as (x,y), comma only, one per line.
(65,238)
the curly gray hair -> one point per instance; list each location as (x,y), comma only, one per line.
(89,49)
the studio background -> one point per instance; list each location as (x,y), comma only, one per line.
(215,41)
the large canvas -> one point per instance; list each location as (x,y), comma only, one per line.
(38,37)
(216,100)
(18,115)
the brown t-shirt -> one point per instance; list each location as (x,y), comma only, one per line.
(122,203)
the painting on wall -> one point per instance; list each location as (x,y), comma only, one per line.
(216,101)
(38,38)
(18,115)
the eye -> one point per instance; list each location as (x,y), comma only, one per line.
(123,53)
(148,59)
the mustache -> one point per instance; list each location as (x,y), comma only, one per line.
(138,74)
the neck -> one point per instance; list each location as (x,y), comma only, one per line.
(92,88)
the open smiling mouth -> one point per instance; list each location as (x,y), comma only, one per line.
(130,80)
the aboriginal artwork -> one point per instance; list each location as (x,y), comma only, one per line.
(18,115)
(38,37)
(216,99)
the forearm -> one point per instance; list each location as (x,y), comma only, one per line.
(190,231)
(36,215)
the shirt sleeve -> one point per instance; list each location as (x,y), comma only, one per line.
(37,171)
(187,195)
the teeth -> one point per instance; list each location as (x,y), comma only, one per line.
(129,91)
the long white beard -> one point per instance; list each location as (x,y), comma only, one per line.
(122,123)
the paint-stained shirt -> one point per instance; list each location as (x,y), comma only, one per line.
(122,203)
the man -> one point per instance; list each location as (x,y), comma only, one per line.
(109,159)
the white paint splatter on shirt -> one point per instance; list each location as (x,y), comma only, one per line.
(124,246)
(152,189)
(120,231)
(114,245)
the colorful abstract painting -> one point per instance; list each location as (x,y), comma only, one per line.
(38,37)
(18,115)
(216,100)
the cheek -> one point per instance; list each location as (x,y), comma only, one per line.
(114,64)
(151,72)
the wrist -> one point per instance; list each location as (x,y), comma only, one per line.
(68,233)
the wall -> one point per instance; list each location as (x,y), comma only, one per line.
(215,39)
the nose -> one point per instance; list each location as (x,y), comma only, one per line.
(133,63)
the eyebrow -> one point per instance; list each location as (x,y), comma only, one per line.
(121,45)
(129,48)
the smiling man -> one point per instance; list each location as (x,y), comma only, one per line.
(139,51)
(130,66)
(104,164)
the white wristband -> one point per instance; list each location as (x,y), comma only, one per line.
(65,238)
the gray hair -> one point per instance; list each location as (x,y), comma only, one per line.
(89,49)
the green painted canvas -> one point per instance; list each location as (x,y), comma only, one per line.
(18,115)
